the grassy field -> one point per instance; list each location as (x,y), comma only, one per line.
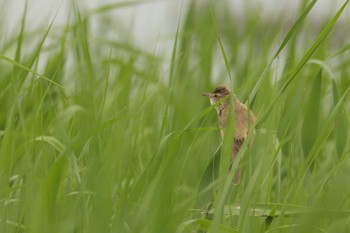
(97,136)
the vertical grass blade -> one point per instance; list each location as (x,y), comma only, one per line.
(286,39)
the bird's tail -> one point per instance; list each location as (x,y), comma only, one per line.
(236,146)
(237,178)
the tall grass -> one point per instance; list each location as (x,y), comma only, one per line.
(95,136)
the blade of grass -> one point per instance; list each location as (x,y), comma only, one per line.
(54,142)
(341,128)
(289,35)
(37,51)
(314,46)
(303,61)
(171,77)
(25,68)
(223,53)
(21,34)
(326,130)
(313,108)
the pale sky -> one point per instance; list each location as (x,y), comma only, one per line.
(151,20)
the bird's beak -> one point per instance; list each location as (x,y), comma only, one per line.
(206,94)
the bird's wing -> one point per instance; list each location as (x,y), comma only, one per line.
(237,144)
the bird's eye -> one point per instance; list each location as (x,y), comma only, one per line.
(215,95)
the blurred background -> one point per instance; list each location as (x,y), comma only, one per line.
(152,24)
(103,127)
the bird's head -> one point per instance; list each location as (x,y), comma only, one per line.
(218,94)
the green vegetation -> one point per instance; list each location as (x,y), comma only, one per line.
(96,136)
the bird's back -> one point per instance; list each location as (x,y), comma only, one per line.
(244,120)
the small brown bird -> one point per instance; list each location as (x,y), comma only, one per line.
(244,120)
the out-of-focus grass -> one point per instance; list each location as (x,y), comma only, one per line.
(95,137)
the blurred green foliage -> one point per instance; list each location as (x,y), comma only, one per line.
(102,139)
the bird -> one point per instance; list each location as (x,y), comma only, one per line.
(244,120)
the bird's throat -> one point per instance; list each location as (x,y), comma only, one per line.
(218,108)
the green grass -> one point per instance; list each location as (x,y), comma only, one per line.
(97,136)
